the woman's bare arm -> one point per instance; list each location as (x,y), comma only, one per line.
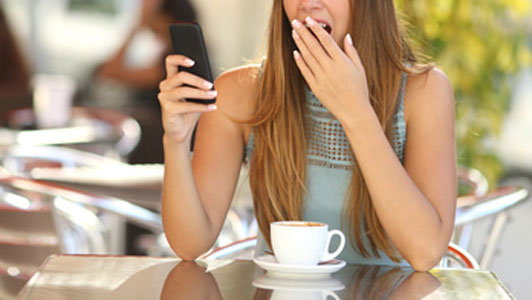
(414,203)
(197,194)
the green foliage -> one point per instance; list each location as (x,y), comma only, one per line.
(480,44)
(107,7)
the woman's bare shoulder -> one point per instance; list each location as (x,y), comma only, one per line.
(430,90)
(236,89)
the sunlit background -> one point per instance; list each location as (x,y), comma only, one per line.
(484,46)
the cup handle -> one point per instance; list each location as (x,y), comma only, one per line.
(327,294)
(328,256)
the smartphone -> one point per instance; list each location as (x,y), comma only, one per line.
(187,39)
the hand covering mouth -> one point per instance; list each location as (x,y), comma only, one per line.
(323,25)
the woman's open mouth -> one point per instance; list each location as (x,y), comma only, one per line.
(323,25)
(326,27)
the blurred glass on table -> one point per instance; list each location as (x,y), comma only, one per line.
(52,99)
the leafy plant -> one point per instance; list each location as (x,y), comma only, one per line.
(481,45)
(108,7)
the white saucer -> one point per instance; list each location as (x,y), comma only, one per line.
(270,282)
(270,264)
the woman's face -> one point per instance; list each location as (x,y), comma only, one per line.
(333,13)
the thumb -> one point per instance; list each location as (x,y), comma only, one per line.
(351,51)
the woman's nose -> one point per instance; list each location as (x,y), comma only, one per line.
(311,4)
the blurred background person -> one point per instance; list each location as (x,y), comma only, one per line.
(128,80)
(138,61)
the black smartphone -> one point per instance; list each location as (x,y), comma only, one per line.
(187,39)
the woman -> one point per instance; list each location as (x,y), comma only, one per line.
(318,103)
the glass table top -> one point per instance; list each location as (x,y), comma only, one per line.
(109,277)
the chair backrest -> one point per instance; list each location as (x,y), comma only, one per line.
(242,249)
(130,212)
(455,256)
(39,218)
(21,160)
(494,204)
(139,184)
(33,219)
(98,130)
(34,226)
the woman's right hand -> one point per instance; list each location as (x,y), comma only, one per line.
(179,116)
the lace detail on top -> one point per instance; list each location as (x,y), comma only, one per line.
(328,145)
(399,124)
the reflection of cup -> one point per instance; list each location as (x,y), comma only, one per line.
(299,288)
(52,99)
(307,295)
(303,243)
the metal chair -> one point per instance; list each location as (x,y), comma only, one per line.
(38,219)
(139,184)
(457,257)
(97,130)
(33,226)
(478,204)
(472,186)
(495,204)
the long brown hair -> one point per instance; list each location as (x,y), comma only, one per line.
(278,162)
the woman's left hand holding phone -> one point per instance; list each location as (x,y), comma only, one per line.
(179,116)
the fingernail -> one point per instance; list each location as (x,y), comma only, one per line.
(211,93)
(295,35)
(212,107)
(310,21)
(207,85)
(189,62)
(296,54)
(349,39)
(296,24)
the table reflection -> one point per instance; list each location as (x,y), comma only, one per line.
(188,280)
(362,282)
(297,288)
(389,283)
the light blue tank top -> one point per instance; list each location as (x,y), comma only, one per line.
(329,171)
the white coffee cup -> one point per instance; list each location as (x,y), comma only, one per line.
(303,243)
(52,99)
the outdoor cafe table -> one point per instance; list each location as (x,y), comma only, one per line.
(129,277)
